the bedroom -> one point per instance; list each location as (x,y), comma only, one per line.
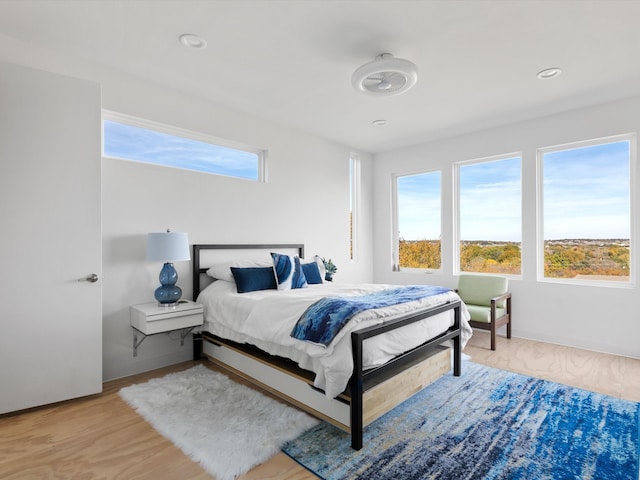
(304,165)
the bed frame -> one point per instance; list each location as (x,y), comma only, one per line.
(370,393)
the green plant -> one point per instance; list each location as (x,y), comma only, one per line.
(329,266)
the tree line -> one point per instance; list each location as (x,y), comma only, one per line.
(563,259)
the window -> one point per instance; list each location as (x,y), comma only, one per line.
(354,190)
(130,138)
(418,220)
(586,211)
(490,215)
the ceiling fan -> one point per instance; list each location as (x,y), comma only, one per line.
(385,76)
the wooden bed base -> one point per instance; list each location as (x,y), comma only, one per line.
(370,394)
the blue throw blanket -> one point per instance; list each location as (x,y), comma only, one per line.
(322,321)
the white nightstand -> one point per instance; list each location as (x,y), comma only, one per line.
(151,318)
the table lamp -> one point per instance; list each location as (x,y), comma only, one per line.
(168,247)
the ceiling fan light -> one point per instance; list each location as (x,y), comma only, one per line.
(385,76)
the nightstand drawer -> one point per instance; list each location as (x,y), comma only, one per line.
(165,324)
(150,318)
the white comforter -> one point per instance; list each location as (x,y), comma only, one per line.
(265,319)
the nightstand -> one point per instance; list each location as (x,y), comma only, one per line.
(152,318)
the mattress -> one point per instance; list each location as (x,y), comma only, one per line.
(265,319)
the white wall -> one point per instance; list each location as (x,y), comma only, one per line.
(596,318)
(306,200)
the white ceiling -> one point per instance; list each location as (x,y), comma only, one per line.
(291,61)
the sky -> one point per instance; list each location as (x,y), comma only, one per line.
(490,200)
(135,143)
(586,190)
(586,194)
(419,206)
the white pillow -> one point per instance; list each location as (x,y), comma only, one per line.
(222,271)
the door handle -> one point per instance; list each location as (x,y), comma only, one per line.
(91,278)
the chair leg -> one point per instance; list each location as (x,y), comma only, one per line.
(509,313)
(493,335)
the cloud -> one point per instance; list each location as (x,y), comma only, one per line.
(491,200)
(419,206)
(135,143)
(586,192)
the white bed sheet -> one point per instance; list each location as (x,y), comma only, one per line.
(265,319)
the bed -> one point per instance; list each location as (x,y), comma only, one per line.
(376,360)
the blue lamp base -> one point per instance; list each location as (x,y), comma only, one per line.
(168,293)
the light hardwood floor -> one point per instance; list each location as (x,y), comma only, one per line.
(100,437)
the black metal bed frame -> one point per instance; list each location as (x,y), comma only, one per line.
(363,380)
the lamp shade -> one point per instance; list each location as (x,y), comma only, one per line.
(168,247)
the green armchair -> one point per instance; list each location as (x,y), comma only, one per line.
(488,302)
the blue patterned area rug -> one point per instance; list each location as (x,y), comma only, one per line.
(487,424)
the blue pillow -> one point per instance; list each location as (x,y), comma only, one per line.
(312,273)
(251,279)
(289,273)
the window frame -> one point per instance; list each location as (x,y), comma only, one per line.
(158,127)
(456,211)
(395,234)
(540,152)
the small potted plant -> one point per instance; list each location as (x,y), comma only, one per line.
(330,269)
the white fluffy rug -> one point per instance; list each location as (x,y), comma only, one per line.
(226,427)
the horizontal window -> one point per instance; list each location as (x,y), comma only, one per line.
(134,139)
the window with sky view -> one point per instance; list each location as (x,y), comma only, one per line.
(132,142)
(490,216)
(419,222)
(586,211)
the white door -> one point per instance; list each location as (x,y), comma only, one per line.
(50,226)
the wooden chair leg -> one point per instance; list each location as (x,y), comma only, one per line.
(493,335)
(509,313)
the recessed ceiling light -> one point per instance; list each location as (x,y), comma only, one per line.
(192,41)
(379,123)
(549,73)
